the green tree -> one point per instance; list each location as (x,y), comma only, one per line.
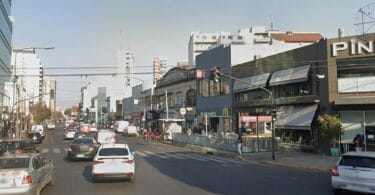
(40,112)
(68,111)
(330,131)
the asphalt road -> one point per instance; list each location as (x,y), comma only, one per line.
(165,169)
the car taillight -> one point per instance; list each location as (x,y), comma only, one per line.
(27,179)
(98,162)
(128,161)
(335,171)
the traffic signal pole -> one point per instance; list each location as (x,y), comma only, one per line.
(215,76)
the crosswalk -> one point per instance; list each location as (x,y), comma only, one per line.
(188,156)
(48,150)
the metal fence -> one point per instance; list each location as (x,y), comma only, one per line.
(227,143)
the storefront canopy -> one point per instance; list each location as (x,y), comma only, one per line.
(292,75)
(295,117)
(255,81)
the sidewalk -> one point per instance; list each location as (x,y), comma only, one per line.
(289,159)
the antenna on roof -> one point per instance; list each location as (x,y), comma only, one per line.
(364,19)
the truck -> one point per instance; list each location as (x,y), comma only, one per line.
(120,126)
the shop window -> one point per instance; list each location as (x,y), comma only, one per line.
(294,90)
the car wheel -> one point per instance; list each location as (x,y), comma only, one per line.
(336,191)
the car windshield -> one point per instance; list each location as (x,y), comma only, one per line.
(113,152)
(83,141)
(14,163)
(358,161)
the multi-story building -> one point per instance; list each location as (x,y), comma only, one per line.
(214,100)
(159,68)
(255,37)
(6,29)
(52,95)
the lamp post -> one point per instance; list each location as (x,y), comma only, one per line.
(15,77)
(215,74)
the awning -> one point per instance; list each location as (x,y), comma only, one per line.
(256,81)
(295,117)
(292,75)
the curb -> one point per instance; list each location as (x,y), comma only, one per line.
(297,167)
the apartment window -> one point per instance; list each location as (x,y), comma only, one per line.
(214,88)
(239,37)
(204,37)
(223,37)
(224,84)
(230,37)
(213,37)
(210,88)
(204,88)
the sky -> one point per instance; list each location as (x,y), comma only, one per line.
(88,33)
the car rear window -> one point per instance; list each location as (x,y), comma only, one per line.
(82,141)
(358,161)
(113,152)
(14,163)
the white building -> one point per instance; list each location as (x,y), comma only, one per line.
(255,37)
(159,68)
(49,93)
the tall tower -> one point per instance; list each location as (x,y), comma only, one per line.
(125,67)
(159,68)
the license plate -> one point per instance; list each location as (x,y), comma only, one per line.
(80,155)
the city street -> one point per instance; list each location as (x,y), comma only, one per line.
(166,169)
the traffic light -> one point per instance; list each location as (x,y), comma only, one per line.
(215,74)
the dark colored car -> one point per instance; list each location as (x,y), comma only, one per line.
(82,148)
(36,137)
(18,146)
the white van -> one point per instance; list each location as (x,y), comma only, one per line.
(131,130)
(120,126)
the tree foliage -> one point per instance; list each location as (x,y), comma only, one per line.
(330,126)
(40,112)
(68,111)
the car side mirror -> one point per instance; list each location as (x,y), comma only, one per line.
(132,152)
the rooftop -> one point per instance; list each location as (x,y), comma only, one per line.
(296,37)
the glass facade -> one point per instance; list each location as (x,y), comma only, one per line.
(209,88)
(5,46)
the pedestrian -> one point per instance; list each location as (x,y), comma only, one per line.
(239,144)
(358,142)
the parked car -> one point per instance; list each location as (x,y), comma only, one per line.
(82,148)
(70,133)
(38,128)
(17,146)
(106,136)
(114,161)
(354,171)
(25,174)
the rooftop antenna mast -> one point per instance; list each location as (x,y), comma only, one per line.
(365,19)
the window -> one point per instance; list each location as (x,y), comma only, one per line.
(204,88)
(204,37)
(209,88)
(295,89)
(190,98)
(239,37)
(230,37)
(14,163)
(358,161)
(113,152)
(224,84)
(249,96)
(213,37)
(179,99)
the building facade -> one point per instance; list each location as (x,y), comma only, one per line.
(126,64)
(159,65)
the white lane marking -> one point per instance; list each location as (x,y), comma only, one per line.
(154,154)
(141,153)
(192,157)
(229,160)
(208,158)
(174,156)
(56,150)
(45,150)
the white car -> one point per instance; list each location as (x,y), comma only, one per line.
(106,136)
(354,171)
(114,161)
(93,128)
(25,174)
(70,133)
(51,126)
(38,128)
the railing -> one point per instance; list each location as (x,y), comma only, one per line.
(227,143)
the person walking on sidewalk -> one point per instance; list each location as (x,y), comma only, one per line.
(358,142)
(239,144)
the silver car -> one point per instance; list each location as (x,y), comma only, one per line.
(354,171)
(25,174)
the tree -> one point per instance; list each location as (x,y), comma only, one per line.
(40,112)
(330,131)
(68,111)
